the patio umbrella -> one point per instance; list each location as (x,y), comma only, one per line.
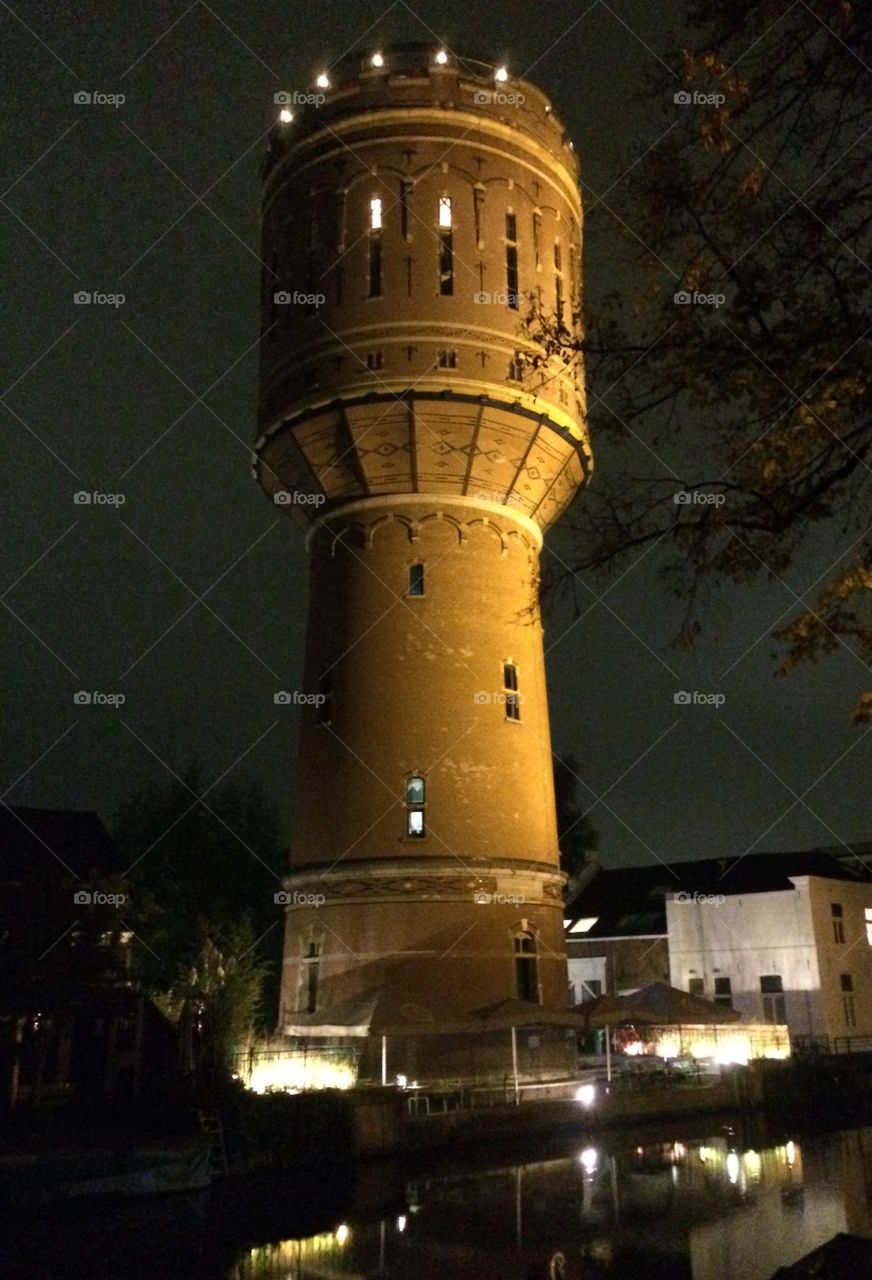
(667,1005)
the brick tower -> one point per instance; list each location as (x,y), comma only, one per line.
(413,215)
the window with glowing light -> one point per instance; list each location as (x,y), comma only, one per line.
(374,263)
(415,800)
(445,248)
(867,915)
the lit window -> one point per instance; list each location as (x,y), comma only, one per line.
(416,580)
(415,806)
(526,967)
(584,925)
(375,214)
(447,359)
(444,211)
(868,918)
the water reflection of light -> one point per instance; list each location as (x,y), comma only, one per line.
(401,1222)
(341,1233)
(752,1163)
(585,1095)
(790,1151)
(588,1158)
(733,1167)
(704,1154)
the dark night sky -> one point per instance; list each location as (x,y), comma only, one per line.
(158,199)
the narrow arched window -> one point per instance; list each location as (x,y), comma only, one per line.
(310,972)
(446,247)
(526,966)
(415,802)
(416,579)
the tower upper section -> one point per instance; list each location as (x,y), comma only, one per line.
(416,213)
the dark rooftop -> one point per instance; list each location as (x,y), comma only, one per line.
(631,901)
(58,841)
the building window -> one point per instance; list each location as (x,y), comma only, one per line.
(847,984)
(772,991)
(373,360)
(447,359)
(512,261)
(415,806)
(838,922)
(537,239)
(696,986)
(478,209)
(446,248)
(591,989)
(558,283)
(510,689)
(310,966)
(375,249)
(867,915)
(526,968)
(724,992)
(416,579)
(516,369)
(325,698)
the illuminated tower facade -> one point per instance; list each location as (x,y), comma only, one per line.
(413,217)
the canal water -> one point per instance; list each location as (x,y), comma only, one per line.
(680,1204)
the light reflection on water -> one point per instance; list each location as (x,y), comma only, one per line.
(705,1210)
(707,1207)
